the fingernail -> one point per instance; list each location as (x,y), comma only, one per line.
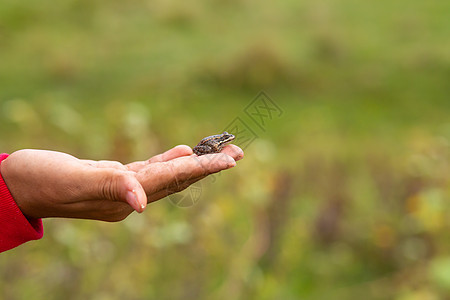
(132,198)
(231,162)
(232,165)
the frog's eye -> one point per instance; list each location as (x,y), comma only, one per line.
(225,132)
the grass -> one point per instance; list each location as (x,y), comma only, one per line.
(343,196)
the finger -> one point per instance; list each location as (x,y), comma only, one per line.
(172,190)
(104,164)
(159,176)
(122,186)
(135,194)
(234,151)
(175,152)
(111,164)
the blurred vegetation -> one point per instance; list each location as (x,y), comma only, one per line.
(346,196)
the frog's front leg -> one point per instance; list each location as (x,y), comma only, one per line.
(216,148)
(203,149)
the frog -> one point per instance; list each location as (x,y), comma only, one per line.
(213,144)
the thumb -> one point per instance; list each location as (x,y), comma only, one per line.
(123,186)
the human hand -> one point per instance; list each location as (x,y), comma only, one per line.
(54,184)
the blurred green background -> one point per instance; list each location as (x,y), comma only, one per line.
(345,196)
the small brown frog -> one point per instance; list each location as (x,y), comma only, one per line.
(213,144)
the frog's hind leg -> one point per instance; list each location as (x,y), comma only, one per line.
(203,149)
(217,148)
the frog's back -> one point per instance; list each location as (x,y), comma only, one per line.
(210,139)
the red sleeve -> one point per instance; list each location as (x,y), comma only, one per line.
(15,228)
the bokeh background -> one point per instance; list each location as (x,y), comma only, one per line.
(344,196)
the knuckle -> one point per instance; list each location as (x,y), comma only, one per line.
(110,188)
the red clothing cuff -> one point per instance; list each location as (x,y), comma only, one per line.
(15,228)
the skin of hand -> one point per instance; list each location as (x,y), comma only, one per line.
(54,184)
